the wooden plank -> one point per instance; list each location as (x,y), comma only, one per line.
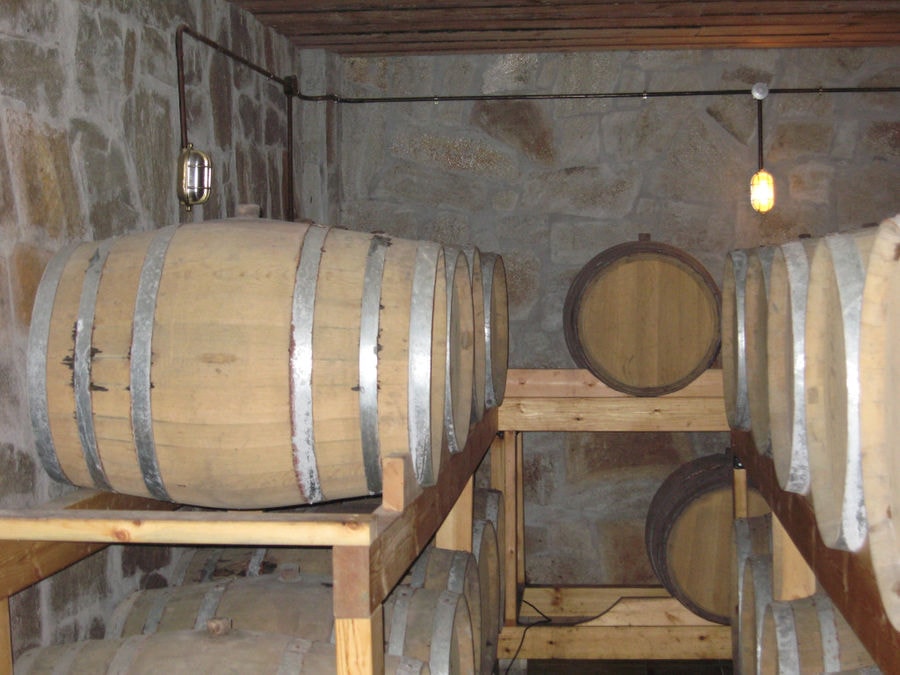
(6,663)
(359,644)
(613,414)
(23,563)
(190,527)
(398,538)
(520,508)
(503,478)
(615,642)
(792,578)
(580,602)
(456,531)
(580,383)
(846,577)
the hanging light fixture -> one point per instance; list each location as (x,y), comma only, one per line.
(762,184)
(194,176)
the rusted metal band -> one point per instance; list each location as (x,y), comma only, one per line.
(419,388)
(38,340)
(370,310)
(141,358)
(302,314)
(81,373)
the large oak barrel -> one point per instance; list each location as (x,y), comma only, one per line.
(457,571)
(734,348)
(430,625)
(213,563)
(756,297)
(879,373)
(243,363)
(688,534)
(643,317)
(785,340)
(496,328)
(299,606)
(192,652)
(834,303)
(808,637)
(479,324)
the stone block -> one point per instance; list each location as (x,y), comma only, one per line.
(100,54)
(25,619)
(144,560)
(811,182)
(523,280)
(521,125)
(605,191)
(735,116)
(32,74)
(7,201)
(154,148)
(882,139)
(28,263)
(410,183)
(453,153)
(616,456)
(510,72)
(45,184)
(111,205)
(18,471)
(622,554)
(33,18)
(867,194)
(792,140)
(84,579)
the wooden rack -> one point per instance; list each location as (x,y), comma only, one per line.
(848,578)
(630,623)
(371,551)
(645,623)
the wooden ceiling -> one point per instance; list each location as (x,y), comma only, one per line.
(469,26)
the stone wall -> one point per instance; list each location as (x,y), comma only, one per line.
(549,184)
(89,135)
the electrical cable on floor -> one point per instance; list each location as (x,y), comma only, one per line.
(544,620)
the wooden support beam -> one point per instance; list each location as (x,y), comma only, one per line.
(456,531)
(615,642)
(6,664)
(359,644)
(792,577)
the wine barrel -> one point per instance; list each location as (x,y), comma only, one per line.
(808,635)
(752,536)
(879,374)
(460,361)
(430,625)
(786,340)
(489,505)
(756,298)
(496,328)
(756,594)
(734,348)
(487,554)
(192,652)
(834,303)
(457,571)
(643,317)
(212,563)
(299,606)
(688,533)
(241,363)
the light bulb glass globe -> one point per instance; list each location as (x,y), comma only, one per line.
(762,191)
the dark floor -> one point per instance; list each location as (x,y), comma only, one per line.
(629,667)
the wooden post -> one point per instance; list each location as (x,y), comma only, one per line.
(456,531)
(519,441)
(740,492)
(358,627)
(6,667)
(792,577)
(503,478)
(360,644)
